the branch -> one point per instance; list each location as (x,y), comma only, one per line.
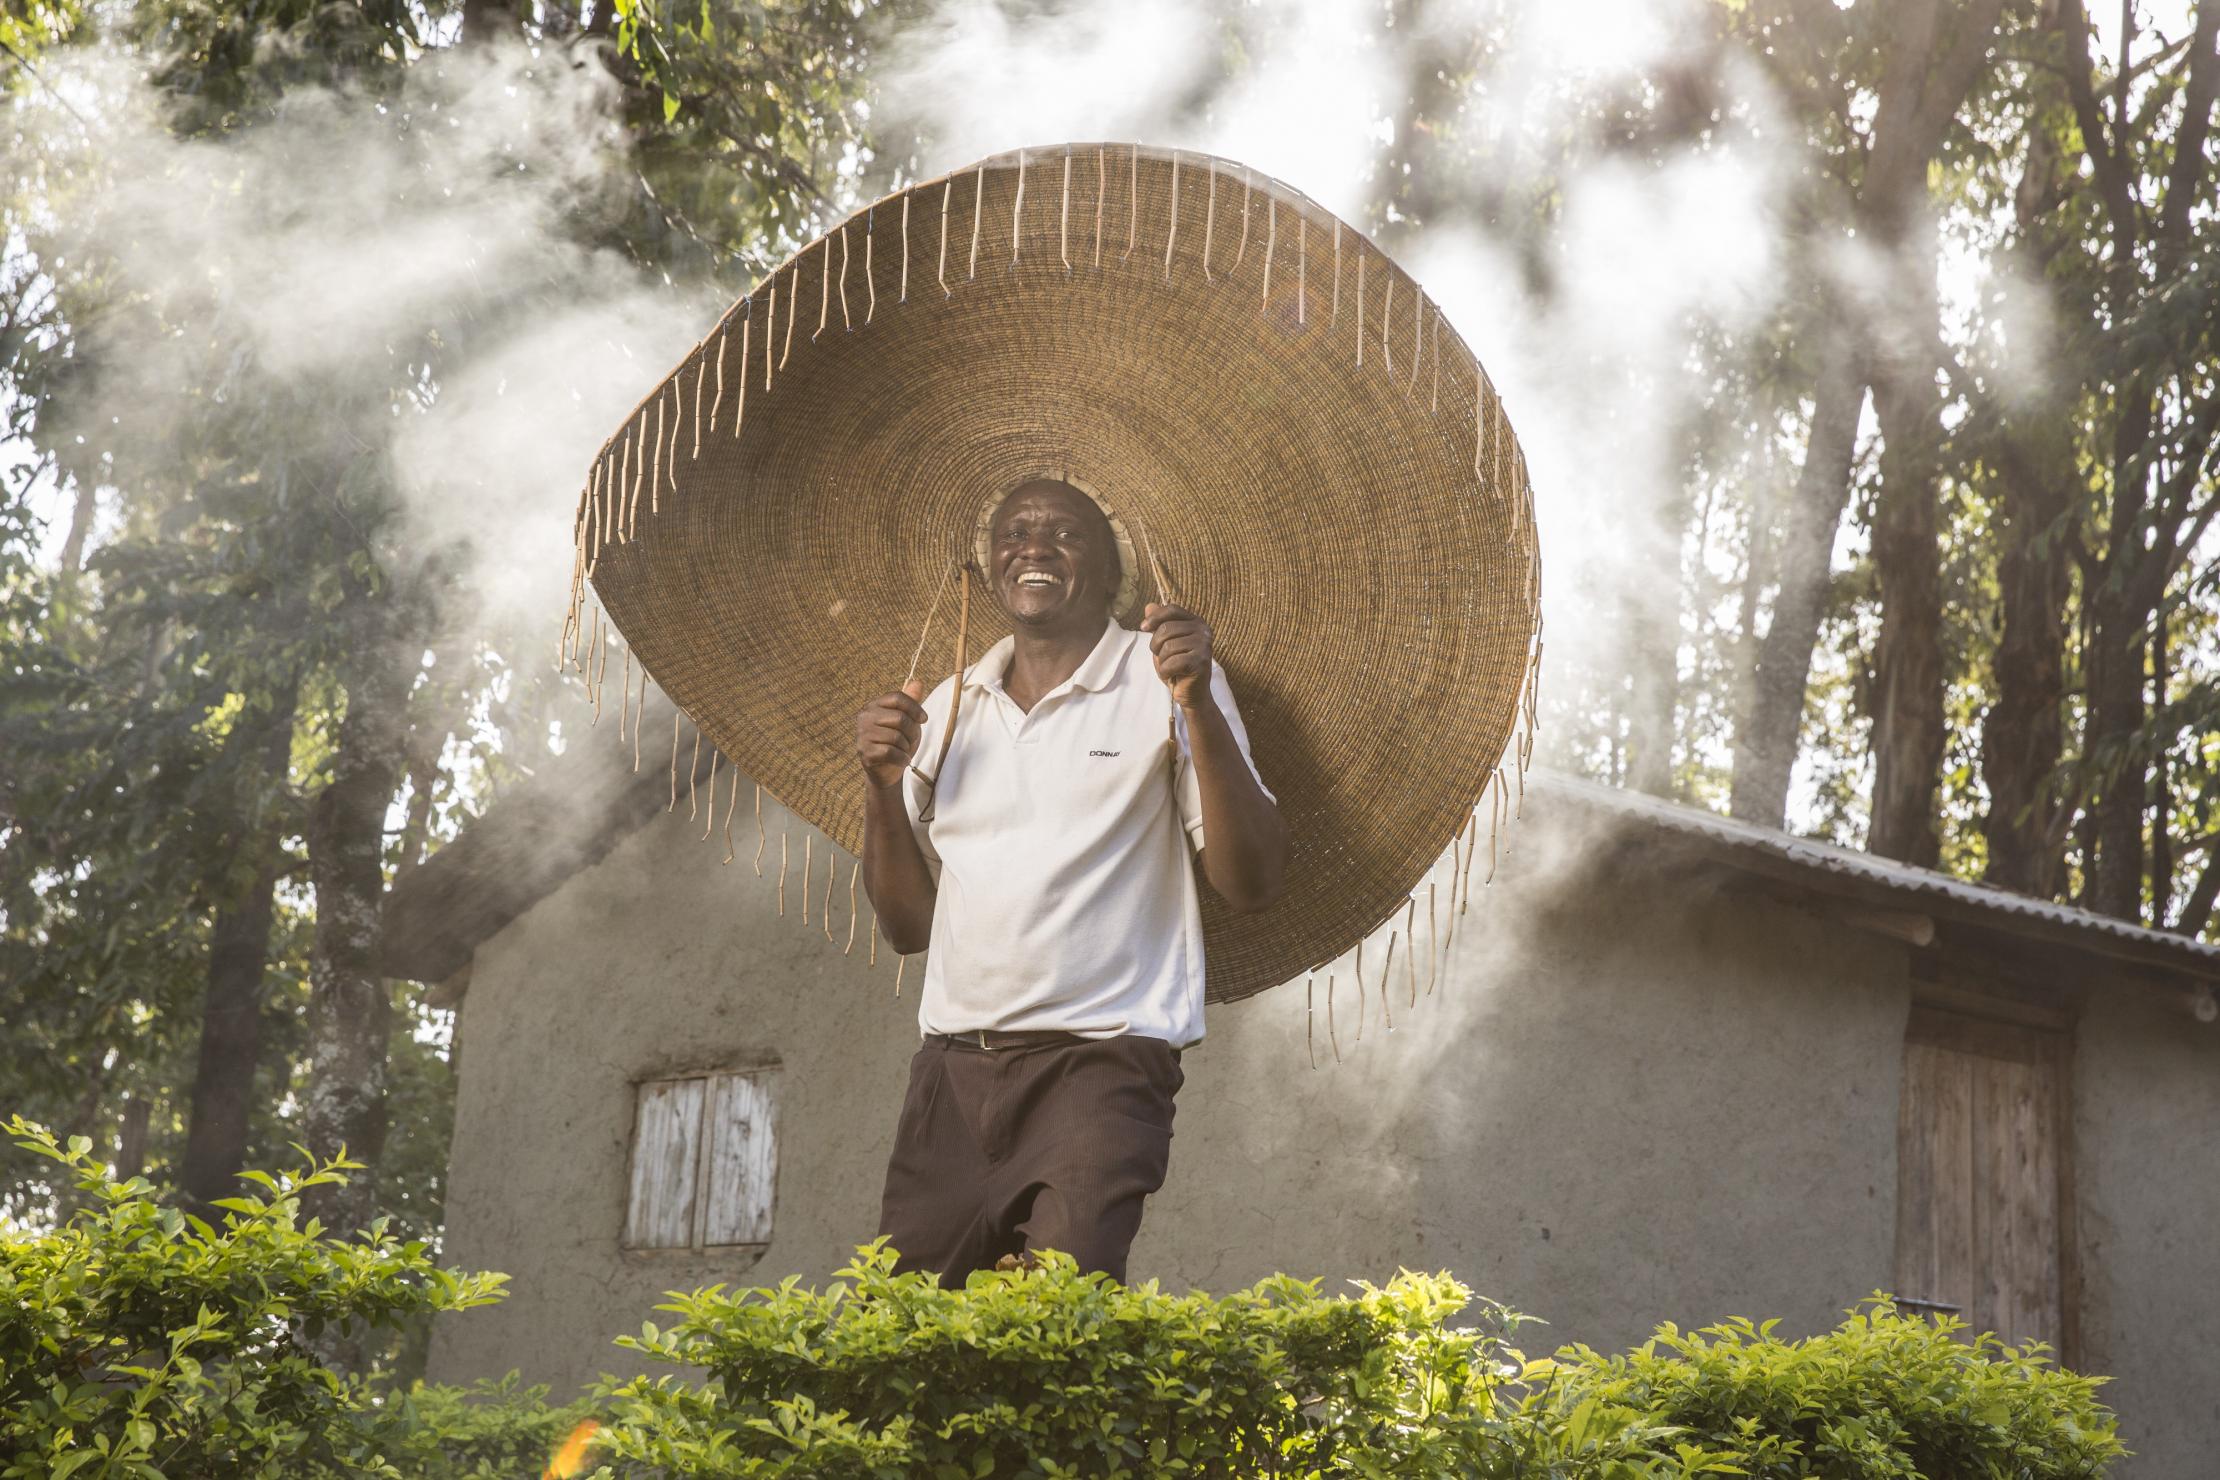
(1946,89)
(2096,142)
(2196,121)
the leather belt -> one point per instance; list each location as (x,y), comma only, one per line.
(993,1040)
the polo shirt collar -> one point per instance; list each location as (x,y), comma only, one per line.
(1097,672)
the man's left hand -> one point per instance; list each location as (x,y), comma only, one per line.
(1180,642)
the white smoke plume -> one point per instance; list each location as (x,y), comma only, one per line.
(1596,368)
(331,237)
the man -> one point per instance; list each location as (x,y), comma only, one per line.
(1045,865)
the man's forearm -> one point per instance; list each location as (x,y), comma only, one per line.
(895,873)
(1245,840)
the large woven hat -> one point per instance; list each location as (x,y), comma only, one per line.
(1307,451)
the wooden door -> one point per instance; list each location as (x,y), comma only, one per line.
(1981,1162)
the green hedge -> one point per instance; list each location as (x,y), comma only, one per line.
(137,1341)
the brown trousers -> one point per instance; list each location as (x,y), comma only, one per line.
(1046,1146)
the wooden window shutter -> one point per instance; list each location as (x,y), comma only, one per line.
(1981,1163)
(741,1171)
(666,1149)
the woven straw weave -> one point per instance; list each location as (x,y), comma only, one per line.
(1312,453)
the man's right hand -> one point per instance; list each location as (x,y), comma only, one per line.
(886,733)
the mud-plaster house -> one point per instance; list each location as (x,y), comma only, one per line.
(1673,1068)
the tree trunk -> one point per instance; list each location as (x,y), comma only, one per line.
(2115,709)
(2023,734)
(131,1131)
(1766,741)
(231,1010)
(1926,75)
(349,1009)
(80,529)
(1908,676)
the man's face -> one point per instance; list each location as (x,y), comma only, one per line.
(1053,558)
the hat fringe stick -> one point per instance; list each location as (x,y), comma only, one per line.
(931,612)
(782,872)
(956,696)
(824,293)
(732,805)
(655,468)
(1164,589)
(1017,206)
(1248,179)
(701,377)
(1063,217)
(1310,1017)
(809,866)
(1171,234)
(693,768)
(770,332)
(1495,825)
(639,719)
(1410,957)
(1387,322)
(1132,203)
(1472,848)
(874,961)
(628,484)
(716,402)
(1302,269)
(1360,992)
(824,915)
(793,312)
(639,476)
(904,296)
(947,189)
(1335,316)
(1102,182)
(847,324)
(675,718)
(1332,1036)
(870,282)
(593,690)
(740,403)
(978,216)
(1435,406)
(1433,946)
(624,696)
(760,838)
(601,652)
(1418,338)
(1387,979)
(710,825)
(855,872)
(1360,307)
(1271,245)
(1210,222)
(678,421)
(590,531)
(598,660)
(901,964)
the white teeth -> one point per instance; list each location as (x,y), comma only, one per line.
(1037,578)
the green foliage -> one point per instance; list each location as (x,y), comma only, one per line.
(1052,1373)
(137,1340)
(1882,1395)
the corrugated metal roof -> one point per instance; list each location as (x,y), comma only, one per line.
(1911,887)
(530,841)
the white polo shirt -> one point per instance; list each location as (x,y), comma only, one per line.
(1066,892)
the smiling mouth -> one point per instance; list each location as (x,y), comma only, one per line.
(1039,580)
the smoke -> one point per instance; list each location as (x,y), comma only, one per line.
(1592,352)
(410,268)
